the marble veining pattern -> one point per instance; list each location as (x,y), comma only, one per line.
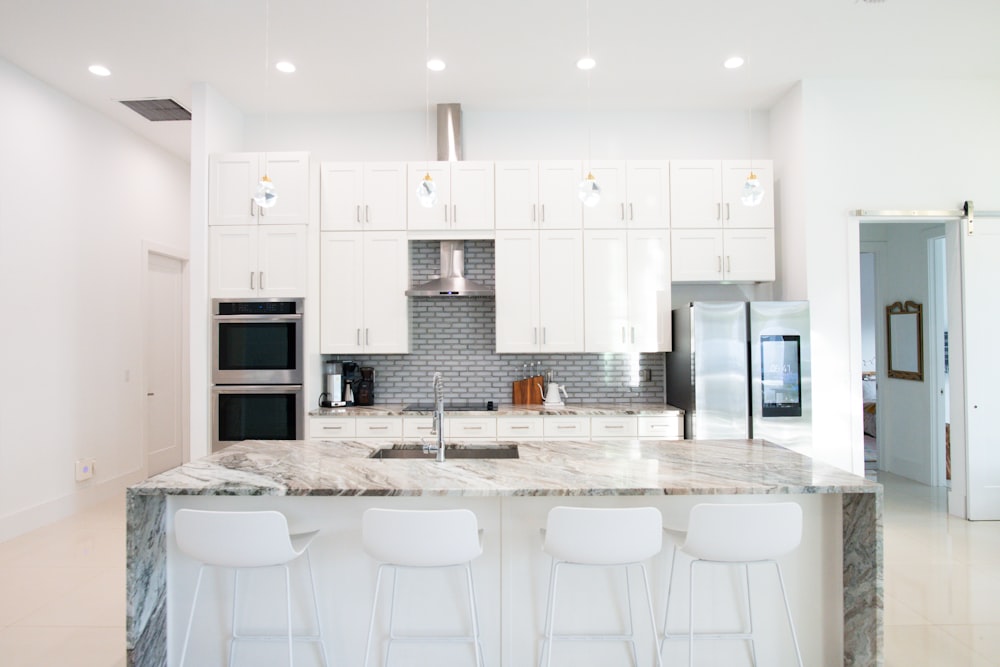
(561,468)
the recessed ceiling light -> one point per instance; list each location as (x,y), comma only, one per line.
(285,66)
(435,65)
(586,63)
(99,70)
(733,63)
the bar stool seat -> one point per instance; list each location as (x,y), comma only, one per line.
(600,537)
(735,534)
(244,540)
(422,539)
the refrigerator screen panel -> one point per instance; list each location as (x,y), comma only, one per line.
(780,374)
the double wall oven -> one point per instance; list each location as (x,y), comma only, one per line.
(256,371)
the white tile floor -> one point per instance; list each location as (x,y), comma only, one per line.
(62,588)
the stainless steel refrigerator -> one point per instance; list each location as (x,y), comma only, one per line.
(742,370)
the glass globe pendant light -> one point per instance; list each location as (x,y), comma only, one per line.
(427,191)
(264,195)
(589,191)
(753,192)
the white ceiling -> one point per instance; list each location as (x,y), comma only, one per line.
(502,55)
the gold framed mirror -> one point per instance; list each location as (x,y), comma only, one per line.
(904,336)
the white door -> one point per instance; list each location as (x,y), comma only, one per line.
(438,216)
(517,291)
(648,194)
(560,290)
(558,205)
(386,306)
(232,178)
(472,195)
(341,195)
(696,255)
(749,254)
(340,291)
(605,289)
(281,261)
(516,195)
(385,196)
(164,359)
(232,262)
(695,194)
(649,290)
(609,212)
(290,174)
(982,367)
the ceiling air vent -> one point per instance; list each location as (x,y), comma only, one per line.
(157,110)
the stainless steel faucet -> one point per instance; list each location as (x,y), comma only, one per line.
(437,425)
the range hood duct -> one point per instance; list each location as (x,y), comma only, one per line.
(451,281)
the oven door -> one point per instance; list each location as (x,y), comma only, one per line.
(256,412)
(256,349)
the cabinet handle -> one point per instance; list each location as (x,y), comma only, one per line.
(728,267)
(561,428)
(261,281)
(534,210)
(472,428)
(251,279)
(718,211)
(623,334)
(445,212)
(543,212)
(519,428)
(718,264)
(454,214)
(534,339)
(366,335)
(359,337)
(727,210)
(633,335)
(623,211)
(251,207)
(614,426)
(631,213)
(368,217)
(357,213)
(423,428)
(333,428)
(543,335)
(377,428)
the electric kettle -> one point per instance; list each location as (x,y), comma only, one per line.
(552,394)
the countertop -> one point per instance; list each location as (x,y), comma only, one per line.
(507,410)
(566,468)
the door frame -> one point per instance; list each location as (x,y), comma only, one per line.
(932,345)
(149,249)
(879,249)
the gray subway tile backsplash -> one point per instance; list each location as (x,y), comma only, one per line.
(457,337)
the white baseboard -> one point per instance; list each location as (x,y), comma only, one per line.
(31,518)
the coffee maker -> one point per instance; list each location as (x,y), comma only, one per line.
(333,385)
(351,378)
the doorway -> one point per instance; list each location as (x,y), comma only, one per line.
(164,368)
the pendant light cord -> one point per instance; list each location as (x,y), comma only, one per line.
(590,111)
(267,76)
(427,85)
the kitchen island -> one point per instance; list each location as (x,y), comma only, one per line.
(328,485)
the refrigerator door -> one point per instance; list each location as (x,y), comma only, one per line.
(780,372)
(707,371)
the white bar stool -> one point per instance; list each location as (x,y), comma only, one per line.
(601,537)
(421,539)
(241,540)
(735,534)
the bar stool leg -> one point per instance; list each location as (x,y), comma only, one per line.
(392,616)
(652,616)
(234,635)
(788,613)
(550,614)
(631,622)
(194,602)
(288,611)
(319,621)
(753,642)
(371,623)
(670,588)
(473,609)
(691,615)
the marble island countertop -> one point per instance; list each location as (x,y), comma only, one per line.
(567,468)
(506,410)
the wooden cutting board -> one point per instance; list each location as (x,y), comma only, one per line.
(535,390)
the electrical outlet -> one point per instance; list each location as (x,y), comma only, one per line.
(84,469)
(645,374)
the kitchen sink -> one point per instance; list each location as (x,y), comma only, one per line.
(450,452)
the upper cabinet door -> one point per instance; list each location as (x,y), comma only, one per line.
(696,255)
(560,290)
(649,290)
(341,196)
(606,291)
(610,211)
(384,206)
(516,195)
(749,254)
(232,178)
(517,328)
(695,194)
(437,216)
(736,214)
(281,261)
(472,195)
(341,310)
(290,174)
(559,206)
(386,306)
(232,261)
(648,205)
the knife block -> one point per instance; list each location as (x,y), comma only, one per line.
(527,391)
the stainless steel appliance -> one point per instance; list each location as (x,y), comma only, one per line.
(333,386)
(742,370)
(257,341)
(256,412)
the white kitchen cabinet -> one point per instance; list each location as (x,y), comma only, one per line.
(363,306)
(363,196)
(555,427)
(627,291)
(661,427)
(519,428)
(634,194)
(624,426)
(247,261)
(233,178)
(538,195)
(714,236)
(539,291)
(471,428)
(331,428)
(710,255)
(464,197)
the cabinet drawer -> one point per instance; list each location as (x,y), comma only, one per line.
(613,427)
(519,427)
(670,427)
(417,427)
(378,427)
(471,427)
(331,427)
(566,427)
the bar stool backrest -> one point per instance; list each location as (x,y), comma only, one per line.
(743,532)
(603,536)
(235,539)
(421,538)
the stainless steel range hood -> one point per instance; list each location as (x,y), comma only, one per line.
(452,280)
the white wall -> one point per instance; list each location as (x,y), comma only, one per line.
(877,145)
(80,196)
